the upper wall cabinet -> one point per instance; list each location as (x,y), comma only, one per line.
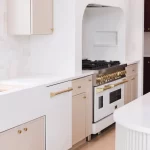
(27,17)
(147,16)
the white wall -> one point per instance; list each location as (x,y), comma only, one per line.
(147,44)
(13,50)
(104,34)
(61,53)
(55,54)
(135,36)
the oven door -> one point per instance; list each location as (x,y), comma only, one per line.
(116,97)
(107,98)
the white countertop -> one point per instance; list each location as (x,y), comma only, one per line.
(131,62)
(135,115)
(27,82)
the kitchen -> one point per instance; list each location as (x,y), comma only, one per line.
(33,62)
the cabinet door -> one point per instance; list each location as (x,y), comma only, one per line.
(29,136)
(127,94)
(89,105)
(146,75)
(134,87)
(26,17)
(19,17)
(147,16)
(41,16)
(59,118)
(78,118)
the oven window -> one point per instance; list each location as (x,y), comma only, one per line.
(100,102)
(115,96)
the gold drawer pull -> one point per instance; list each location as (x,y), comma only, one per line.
(84,97)
(25,129)
(79,87)
(60,92)
(19,131)
(133,78)
(90,80)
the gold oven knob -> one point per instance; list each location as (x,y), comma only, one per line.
(125,72)
(119,73)
(98,79)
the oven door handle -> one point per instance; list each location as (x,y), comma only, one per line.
(98,90)
(119,83)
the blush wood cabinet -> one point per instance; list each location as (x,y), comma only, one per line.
(81,109)
(29,136)
(131,87)
(79,117)
(29,17)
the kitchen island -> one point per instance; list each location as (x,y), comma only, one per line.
(133,125)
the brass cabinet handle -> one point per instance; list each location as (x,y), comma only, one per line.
(19,131)
(79,87)
(84,97)
(90,80)
(60,92)
(133,79)
(25,129)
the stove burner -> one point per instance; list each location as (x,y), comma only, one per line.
(98,64)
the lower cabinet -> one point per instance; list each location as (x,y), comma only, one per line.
(79,118)
(81,110)
(59,117)
(131,87)
(29,136)
(146,78)
(134,87)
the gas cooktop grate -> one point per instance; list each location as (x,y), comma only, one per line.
(98,64)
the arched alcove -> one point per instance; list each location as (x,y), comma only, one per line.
(103,33)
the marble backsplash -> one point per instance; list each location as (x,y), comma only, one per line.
(14,51)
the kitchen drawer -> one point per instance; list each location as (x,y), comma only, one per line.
(132,69)
(88,79)
(78,86)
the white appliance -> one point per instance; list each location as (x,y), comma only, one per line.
(107,98)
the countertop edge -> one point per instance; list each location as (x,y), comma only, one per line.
(132,62)
(54,82)
(132,126)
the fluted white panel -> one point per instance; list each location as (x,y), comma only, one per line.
(127,139)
